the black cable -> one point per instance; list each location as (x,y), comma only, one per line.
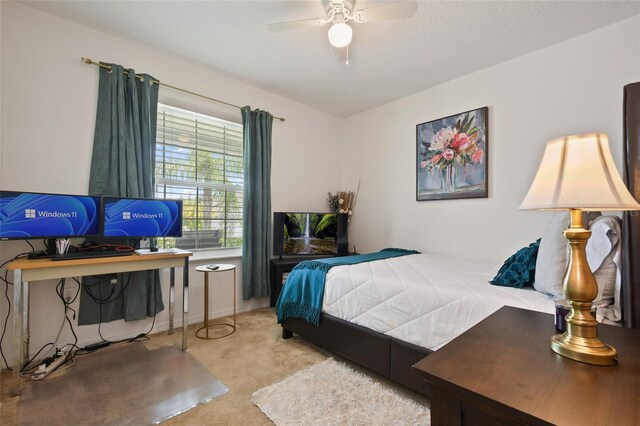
(6,295)
(17,256)
(60,292)
(71,353)
(100,300)
(143,336)
(4,328)
(67,308)
(87,288)
(26,366)
(6,319)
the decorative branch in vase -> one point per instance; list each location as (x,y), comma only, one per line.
(343,201)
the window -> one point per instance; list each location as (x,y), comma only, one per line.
(199,160)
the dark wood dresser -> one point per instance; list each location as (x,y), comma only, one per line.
(503,372)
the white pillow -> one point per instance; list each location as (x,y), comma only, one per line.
(603,255)
(551,262)
(553,256)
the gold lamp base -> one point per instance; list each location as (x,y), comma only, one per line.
(580,342)
(590,351)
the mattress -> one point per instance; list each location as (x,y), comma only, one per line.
(423,299)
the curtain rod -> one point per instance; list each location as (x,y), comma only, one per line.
(159,83)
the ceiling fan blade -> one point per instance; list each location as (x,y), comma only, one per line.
(295,25)
(403,9)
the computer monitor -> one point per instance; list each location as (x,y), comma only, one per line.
(31,215)
(141,218)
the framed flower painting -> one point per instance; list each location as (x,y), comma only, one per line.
(451,160)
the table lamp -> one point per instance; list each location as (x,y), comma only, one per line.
(578,173)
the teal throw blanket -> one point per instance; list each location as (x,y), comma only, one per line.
(301,297)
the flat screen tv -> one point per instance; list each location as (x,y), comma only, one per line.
(31,215)
(309,233)
(141,218)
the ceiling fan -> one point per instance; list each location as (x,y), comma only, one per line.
(339,12)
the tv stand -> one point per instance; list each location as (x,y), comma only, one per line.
(279,267)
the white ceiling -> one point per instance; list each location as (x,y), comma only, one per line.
(391,59)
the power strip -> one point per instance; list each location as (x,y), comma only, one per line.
(44,370)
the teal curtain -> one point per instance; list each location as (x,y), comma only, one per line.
(256,221)
(123,165)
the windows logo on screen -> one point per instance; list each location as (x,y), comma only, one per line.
(29,213)
(126,215)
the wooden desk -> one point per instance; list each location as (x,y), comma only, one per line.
(27,270)
(503,372)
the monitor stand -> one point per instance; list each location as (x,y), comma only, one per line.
(152,245)
(50,245)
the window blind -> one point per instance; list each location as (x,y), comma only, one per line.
(199,159)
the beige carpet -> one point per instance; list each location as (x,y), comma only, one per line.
(252,358)
(333,393)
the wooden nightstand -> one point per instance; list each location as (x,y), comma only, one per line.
(503,372)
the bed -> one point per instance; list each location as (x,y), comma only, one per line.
(366,318)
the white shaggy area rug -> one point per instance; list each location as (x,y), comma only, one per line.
(333,393)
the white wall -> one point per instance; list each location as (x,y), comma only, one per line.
(569,88)
(48,116)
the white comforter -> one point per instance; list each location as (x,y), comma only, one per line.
(422,299)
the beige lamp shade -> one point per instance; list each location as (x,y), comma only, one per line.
(578,172)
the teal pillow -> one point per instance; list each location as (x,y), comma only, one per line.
(520,269)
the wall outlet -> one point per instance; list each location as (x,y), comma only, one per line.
(69,293)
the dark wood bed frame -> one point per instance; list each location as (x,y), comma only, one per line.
(394,358)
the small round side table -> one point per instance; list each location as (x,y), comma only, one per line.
(221,268)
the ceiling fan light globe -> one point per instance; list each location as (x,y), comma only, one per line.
(340,35)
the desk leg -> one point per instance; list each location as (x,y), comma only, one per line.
(20,327)
(185,302)
(172,297)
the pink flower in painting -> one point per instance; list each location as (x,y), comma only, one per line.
(477,156)
(458,145)
(460,142)
(441,139)
(448,154)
